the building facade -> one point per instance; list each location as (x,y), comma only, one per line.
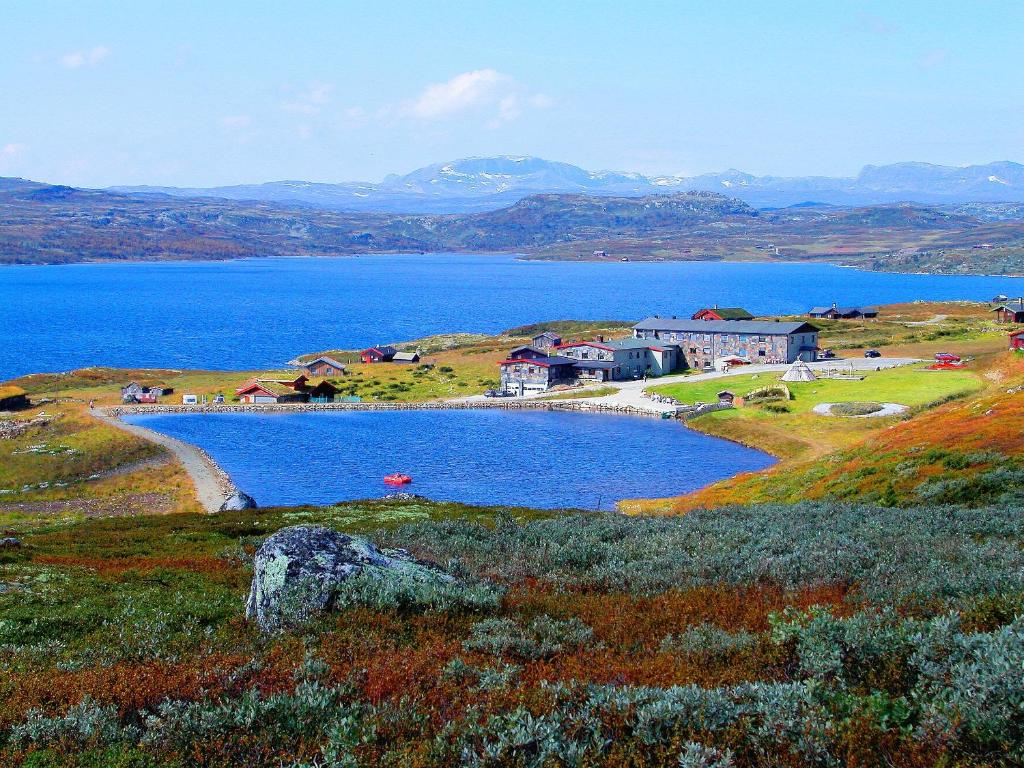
(701,342)
(522,376)
(622,358)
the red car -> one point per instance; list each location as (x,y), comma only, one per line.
(946,357)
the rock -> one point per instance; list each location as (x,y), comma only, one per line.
(405,497)
(238,500)
(9,542)
(297,571)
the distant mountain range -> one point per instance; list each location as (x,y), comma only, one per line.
(48,224)
(489,183)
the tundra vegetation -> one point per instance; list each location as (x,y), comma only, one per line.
(816,634)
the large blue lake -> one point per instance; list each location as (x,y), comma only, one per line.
(260,313)
(545,459)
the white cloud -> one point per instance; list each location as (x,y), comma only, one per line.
(235,122)
(311,101)
(9,153)
(482,90)
(89,58)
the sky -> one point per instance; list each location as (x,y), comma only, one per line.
(202,94)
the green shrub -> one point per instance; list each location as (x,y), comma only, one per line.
(707,640)
(855,409)
(543,638)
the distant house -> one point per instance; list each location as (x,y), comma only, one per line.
(137,393)
(406,357)
(1017,340)
(545,340)
(13,398)
(843,313)
(523,376)
(726,397)
(1000,299)
(1010,311)
(132,391)
(324,365)
(722,313)
(297,390)
(381,354)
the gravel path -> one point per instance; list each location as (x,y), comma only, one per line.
(212,483)
(888,409)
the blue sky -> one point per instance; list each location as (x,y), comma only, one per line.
(95,93)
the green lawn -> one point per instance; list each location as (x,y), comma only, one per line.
(906,385)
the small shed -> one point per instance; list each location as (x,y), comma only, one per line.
(726,397)
(799,371)
(406,357)
(1017,340)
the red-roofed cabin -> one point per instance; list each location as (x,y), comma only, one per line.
(722,313)
(1017,340)
(257,391)
(378,355)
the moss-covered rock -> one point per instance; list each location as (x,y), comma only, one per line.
(298,572)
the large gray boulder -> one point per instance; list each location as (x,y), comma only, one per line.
(237,501)
(298,570)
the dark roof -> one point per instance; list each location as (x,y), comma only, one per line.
(603,365)
(842,310)
(547,334)
(633,343)
(1016,305)
(545,361)
(324,359)
(760,327)
(385,350)
(728,313)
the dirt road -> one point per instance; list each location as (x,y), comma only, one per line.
(212,484)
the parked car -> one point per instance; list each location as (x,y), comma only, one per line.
(498,393)
(872,353)
(827,354)
(946,357)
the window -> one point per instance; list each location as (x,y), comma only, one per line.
(760,353)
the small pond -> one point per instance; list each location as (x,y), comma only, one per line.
(545,459)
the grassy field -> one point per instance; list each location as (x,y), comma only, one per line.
(65,464)
(966,451)
(908,385)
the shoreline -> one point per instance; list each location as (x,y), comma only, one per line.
(214,485)
(517,255)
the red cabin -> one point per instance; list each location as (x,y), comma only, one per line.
(1017,340)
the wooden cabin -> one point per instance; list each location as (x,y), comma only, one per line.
(381,354)
(1010,311)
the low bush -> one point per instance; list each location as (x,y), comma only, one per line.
(542,638)
(855,409)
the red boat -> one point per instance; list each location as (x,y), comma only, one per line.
(397,478)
